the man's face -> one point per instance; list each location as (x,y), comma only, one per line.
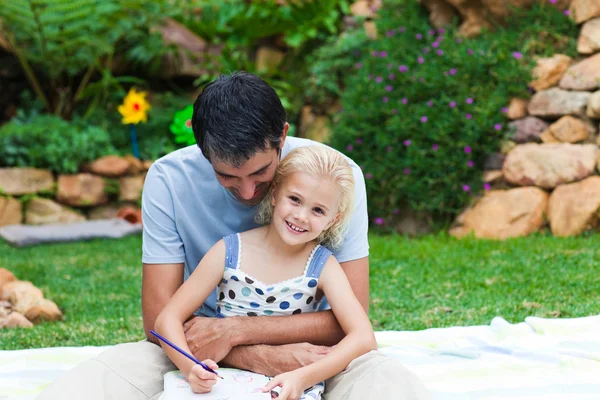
(250,182)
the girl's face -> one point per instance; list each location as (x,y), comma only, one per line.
(304,206)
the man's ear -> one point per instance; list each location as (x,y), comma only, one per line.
(286,128)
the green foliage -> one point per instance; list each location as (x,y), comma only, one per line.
(61,43)
(49,142)
(423,108)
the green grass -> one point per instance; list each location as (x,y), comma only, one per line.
(434,281)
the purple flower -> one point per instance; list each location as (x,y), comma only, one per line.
(391,77)
(459,40)
(388,88)
(358,66)
(430,103)
(390,33)
(379,221)
(517,55)
(394,111)
(440,52)
(368,175)
(404,100)
(435,147)
(431,32)
(379,79)
(396,211)
(385,99)
(359,141)
(407,142)
(470,52)
(419,36)
(452,104)
(426,50)
(401,29)
(567,12)
(468,116)
(552,1)
(452,71)
(370,76)
(470,163)
(383,54)
(504,110)
(467,150)
(441,31)
(403,68)
(424,118)
(466,188)
(435,45)
(469,100)
(498,127)
(388,149)
(420,60)
(374,53)
(406,171)
(349,147)
(487,186)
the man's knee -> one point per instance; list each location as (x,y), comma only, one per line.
(375,376)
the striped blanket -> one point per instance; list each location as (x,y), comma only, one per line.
(536,359)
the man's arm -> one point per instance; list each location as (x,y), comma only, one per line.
(159,283)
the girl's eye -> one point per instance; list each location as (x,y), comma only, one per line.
(318,210)
(294,199)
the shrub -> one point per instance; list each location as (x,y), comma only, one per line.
(423,107)
(46,141)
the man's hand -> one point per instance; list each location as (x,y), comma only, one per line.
(210,337)
(275,360)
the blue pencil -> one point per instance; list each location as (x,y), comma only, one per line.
(191,357)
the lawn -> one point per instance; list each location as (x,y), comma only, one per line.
(434,281)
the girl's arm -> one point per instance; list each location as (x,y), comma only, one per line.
(187,299)
(354,321)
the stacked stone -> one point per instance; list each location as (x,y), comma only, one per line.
(25,192)
(548,174)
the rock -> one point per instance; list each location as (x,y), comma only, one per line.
(146,164)
(573,208)
(550,164)
(492,176)
(440,13)
(45,310)
(81,190)
(130,187)
(362,8)
(474,17)
(109,166)
(45,211)
(6,277)
(312,126)
(585,75)
(569,130)
(583,10)
(268,59)
(589,38)
(555,102)
(593,106)
(20,181)
(11,211)
(370,29)
(130,214)
(506,146)
(15,320)
(494,161)
(528,129)
(548,71)
(410,222)
(502,214)
(502,8)
(517,108)
(547,137)
(104,212)
(135,165)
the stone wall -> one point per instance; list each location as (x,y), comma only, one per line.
(547,175)
(108,187)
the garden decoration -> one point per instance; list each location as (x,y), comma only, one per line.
(134,110)
(181,127)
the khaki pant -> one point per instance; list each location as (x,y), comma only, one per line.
(134,371)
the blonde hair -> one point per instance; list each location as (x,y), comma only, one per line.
(325,163)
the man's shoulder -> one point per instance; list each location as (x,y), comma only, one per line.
(184,160)
(295,142)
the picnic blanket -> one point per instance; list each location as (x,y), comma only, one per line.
(536,359)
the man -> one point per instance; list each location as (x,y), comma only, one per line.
(192,198)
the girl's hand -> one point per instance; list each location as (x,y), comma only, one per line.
(292,385)
(202,381)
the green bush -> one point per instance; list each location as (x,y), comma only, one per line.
(49,142)
(422,108)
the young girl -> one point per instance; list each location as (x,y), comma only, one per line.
(281,269)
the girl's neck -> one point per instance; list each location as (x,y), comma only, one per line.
(273,241)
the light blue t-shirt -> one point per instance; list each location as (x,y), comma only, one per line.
(186,211)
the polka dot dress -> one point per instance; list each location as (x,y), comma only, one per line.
(239,294)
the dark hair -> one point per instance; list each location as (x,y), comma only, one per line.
(236,116)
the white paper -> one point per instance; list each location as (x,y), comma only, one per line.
(235,385)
